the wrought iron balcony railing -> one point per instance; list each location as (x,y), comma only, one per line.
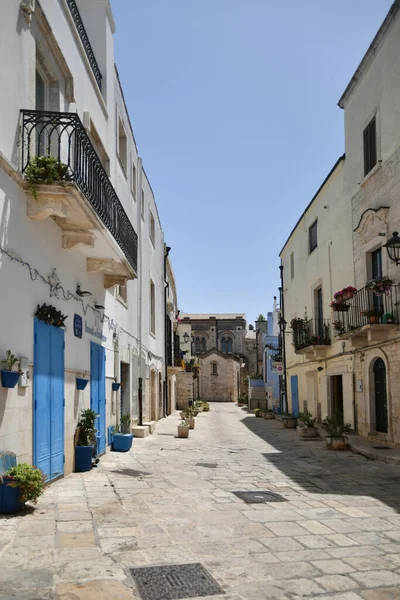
(365,308)
(85,40)
(63,136)
(314,332)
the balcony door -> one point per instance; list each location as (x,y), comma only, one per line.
(381,412)
(319,315)
(42,104)
(376,272)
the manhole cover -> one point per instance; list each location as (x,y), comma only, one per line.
(171,582)
(381,448)
(259,497)
(207,465)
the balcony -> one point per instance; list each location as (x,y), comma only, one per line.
(367,318)
(311,338)
(84,205)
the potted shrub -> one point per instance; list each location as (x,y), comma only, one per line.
(269,414)
(307,430)
(9,377)
(185,413)
(373,314)
(335,429)
(339,306)
(189,419)
(380,286)
(388,318)
(289,421)
(121,436)
(20,484)
(257,412)
(45,170)
(183,429)
(206,407)
(86,433)
(346,293)
(81,382)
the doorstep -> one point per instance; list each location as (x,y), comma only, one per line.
(151,425)
(365,447)
(140,431)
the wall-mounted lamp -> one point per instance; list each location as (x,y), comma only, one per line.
(393,247)
(186,337)
(80,292)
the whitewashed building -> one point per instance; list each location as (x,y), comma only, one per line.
(91,246)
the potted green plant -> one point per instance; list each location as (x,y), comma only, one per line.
(388,318)
(307,430)
(380,286)
(339,306)
(189,418)
(373,314)
(206,407)
(10,377)
(269,414)
(50,315)
(121,436)
(289,421)
(183,429)
(257,412)
(20,484)
(86,434)
(45,170)
(81,382)
(336,430)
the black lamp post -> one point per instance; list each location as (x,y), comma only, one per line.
(393,247)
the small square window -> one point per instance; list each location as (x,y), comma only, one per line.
(312,237)
(123,293)
(292,265)
(142,206)
(214,368)
(369,139)
(122,144)
(133,180)
(152,229)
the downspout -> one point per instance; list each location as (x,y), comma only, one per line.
(283,343)
(167,250)
(140,288)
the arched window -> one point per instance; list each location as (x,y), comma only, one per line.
(226,344)
(214,368)
(203,345)
(197,345)
(200,345)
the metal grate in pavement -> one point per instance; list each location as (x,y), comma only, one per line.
(260,497)
(171,582)
(207,465)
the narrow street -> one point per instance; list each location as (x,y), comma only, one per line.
(169,501)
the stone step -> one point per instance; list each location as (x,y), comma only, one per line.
(140,431)
(151,425)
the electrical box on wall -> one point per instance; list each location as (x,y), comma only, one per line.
(24,366)
(359,385)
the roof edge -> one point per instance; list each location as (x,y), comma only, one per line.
(335,166)
(370,53)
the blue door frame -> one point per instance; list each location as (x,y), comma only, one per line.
(294,385)
(98,392)
(48,398)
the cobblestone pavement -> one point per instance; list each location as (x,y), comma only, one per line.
(337,535)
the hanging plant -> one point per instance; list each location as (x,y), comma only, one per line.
(380,286)
(49,314)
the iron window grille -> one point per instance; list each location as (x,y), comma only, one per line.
(85,40)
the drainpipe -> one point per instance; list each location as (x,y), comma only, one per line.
(167,250)
(284,399)
(117,378)
(140,289)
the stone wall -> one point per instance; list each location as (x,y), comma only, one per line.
(184,389)
(219,383)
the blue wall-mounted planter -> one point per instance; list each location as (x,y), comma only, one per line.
(9,498)
(122,442)
(81,383)
(9,379)
(83,458)
(115,386)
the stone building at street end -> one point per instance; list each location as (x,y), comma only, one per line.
(341,281)
(84,248)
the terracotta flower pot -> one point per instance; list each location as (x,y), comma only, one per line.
(374,319)
(183,431)
(191,422)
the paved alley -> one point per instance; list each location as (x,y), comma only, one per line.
(336,535)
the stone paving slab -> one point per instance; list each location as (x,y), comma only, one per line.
(336,537)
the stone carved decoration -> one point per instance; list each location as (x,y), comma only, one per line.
(372,222)
(28,8)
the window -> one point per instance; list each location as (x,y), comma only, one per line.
(152,308)
(200,345)
(292,265)
(142,206)
(133,180)
(122,144)
(369,138)
(226,345)
(214,368)
(312,237)
(123,293)
(152,229)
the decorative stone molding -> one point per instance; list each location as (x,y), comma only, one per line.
(74,238)
(28,8)
(372,222)
(112,280)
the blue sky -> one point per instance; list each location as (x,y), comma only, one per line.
(234,109)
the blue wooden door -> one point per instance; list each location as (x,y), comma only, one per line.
(48,395)
(294,384)
(98,392)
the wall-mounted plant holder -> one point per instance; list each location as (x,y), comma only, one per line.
(115,386)
(81,383)
(9,379)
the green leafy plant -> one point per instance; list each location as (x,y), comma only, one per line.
(45,170)
(335,427)
(30,481)
(380,285)
(49,314)
(206,407)
(125,423)
(183,424)
(260,317)
(257,412)
(307,418)
(10,360)
(388,317)
(372,312)
(87,430)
